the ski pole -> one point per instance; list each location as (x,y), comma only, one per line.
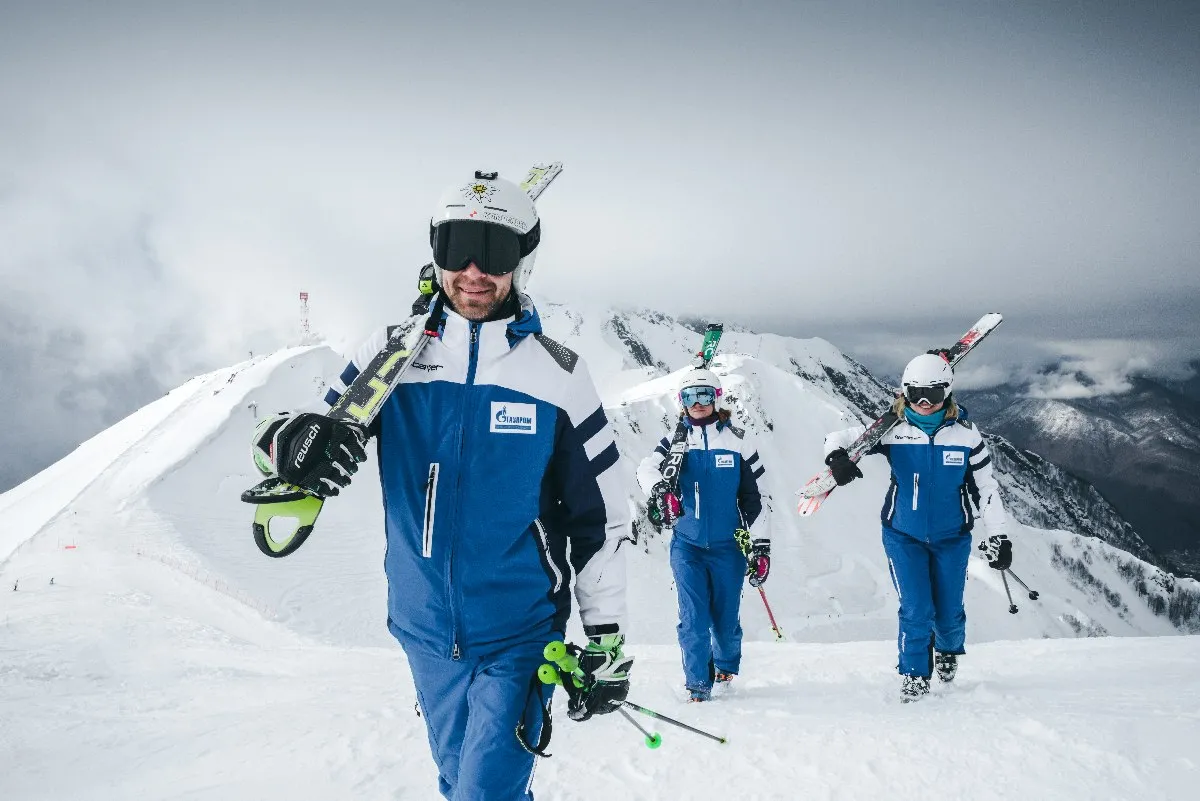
(1033,594)
(672,721)
(652,740)
(1012,608)
(742,538)
(774,625)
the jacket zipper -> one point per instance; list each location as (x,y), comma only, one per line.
(697,500)
(430,510)
(916,489)
(473,358)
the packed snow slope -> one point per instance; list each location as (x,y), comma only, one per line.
(148,650)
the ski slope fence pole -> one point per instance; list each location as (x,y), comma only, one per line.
(1012,608)
(778,634)
(672,721)
(1033,594)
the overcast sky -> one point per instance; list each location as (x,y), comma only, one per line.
(881,174)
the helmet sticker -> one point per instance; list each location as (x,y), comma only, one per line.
(479,191)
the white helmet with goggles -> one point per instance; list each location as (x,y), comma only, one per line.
(928,377)
(693,385)
(489,221)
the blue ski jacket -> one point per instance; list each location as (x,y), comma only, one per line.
(719,484)
(495,455)
(938,482)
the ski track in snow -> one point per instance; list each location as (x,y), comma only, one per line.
(165,678)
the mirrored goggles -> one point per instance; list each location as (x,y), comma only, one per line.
(705,396)
(934,395)
(495,249)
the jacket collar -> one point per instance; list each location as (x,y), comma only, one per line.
(455,329)
(714,418)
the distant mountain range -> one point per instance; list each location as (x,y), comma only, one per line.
(1140,449)
(164,484)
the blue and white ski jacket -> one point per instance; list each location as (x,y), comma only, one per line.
(937,482)
(495,455)
(719,485)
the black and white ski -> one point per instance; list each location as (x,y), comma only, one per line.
(274,498)
(814,493)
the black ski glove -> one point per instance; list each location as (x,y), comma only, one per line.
(607,671)
(997,549)
(318,453)
(844,471)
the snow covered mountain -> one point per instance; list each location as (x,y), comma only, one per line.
(1140,448)
(148,638)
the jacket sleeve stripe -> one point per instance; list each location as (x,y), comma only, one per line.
(978,449)
(759,472)
(753,458)
(592,426)
(606,459)
(984,463)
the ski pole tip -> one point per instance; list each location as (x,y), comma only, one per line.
(654,741)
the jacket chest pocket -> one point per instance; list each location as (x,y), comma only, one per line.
(431,486)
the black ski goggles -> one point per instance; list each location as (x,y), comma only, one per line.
(933,395)
(495,249)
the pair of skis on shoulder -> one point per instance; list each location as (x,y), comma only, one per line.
(818,488)
(276,500)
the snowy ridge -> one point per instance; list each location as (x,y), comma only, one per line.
(160,686)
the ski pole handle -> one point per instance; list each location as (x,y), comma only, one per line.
(562,662)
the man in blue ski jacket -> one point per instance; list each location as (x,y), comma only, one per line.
(498,469)
(719,494)
(941,473)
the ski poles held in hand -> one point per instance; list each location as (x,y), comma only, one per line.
(1004,574)
(563,668)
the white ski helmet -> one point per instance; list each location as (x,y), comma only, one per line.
(928,370)
(697,377)
(487,200)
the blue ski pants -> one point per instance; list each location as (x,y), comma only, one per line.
(708,582)
(929,578)
(471,708)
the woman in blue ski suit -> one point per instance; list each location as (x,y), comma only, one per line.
(720,493)
(500,485)
(941,473)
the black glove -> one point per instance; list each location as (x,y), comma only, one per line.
(607,683)
(758,563)
(997,549)
(318,453)
(663,508)
(844,471)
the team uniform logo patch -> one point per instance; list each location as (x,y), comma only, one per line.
(724,460)
(514,418)
(952,458)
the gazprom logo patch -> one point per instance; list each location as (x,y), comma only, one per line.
(724,460)
(514,418)
(954,458)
